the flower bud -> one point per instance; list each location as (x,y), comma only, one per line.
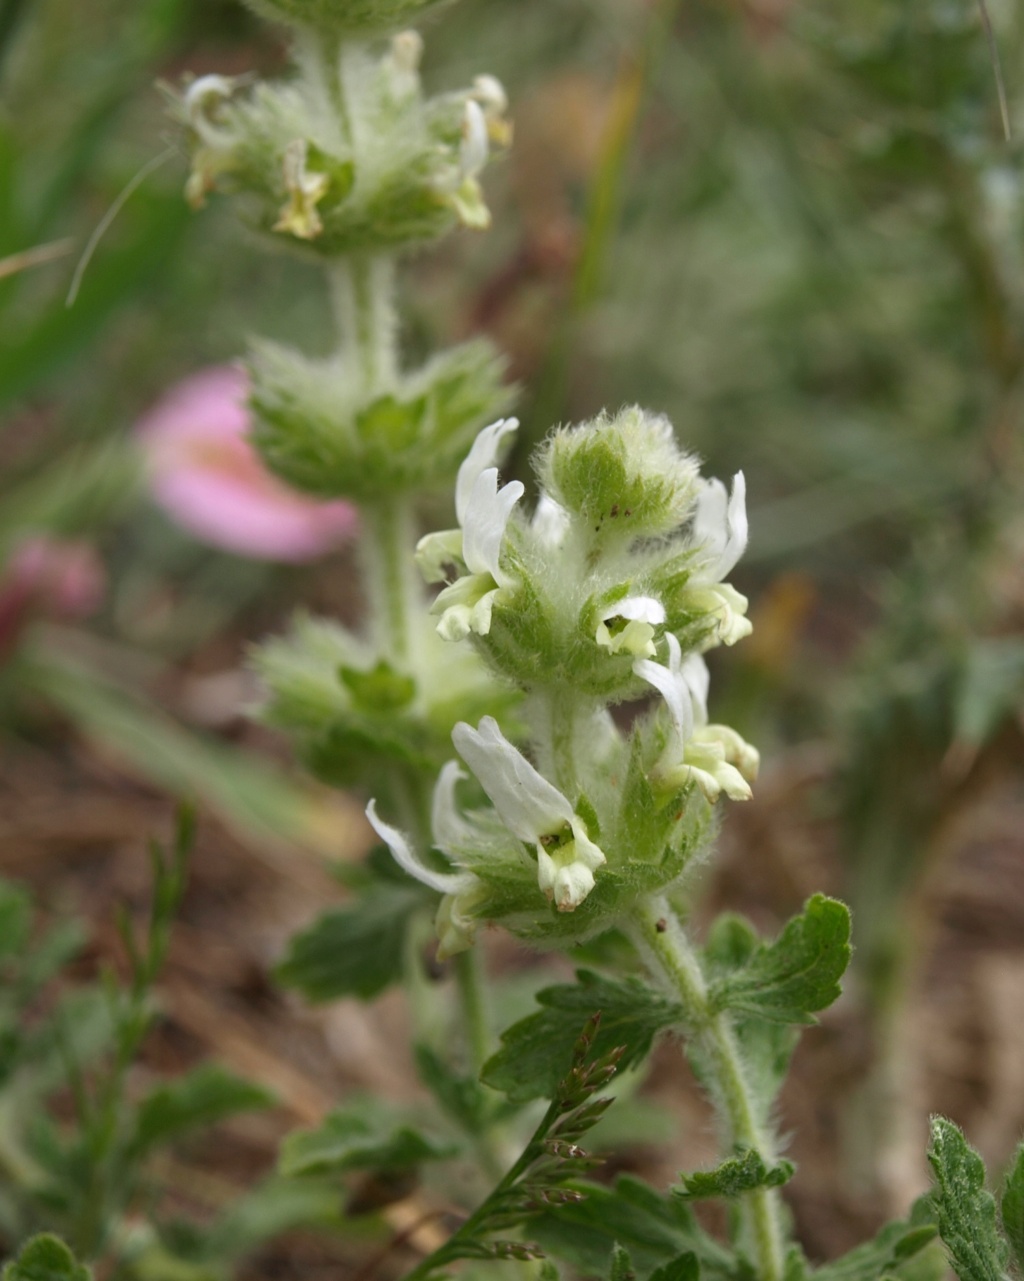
(625,477)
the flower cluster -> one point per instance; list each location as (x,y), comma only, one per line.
(613,587)
(351,162)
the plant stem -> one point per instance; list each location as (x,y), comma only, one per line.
(389,575)
(469,980)
(661,941)
(362,296)
(554,716)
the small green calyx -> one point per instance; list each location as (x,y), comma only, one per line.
(624,476)
(381,689)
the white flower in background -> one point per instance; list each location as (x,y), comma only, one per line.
(720,531)
(474,148)
(404,63)
(490,93)
(629,625)
(483,509)
(200,106)
(534,811)
(714,757)
(305,191)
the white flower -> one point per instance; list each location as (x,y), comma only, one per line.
(483,510)
(305,191)
(455,923)
(407,858)
(201,100)
(720,530)
(457,183)
(714,757)
(490,93)
(550,523)
(629,625)
(474,147)
(534,811)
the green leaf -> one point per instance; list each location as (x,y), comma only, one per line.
(15,918)
(786,981)
(964,1210)
(200,1098)
(45,1258)
(461,1097)
(1012,1208)
(655,1229)
(991,688)
(621,1265)
(892,1248)
(684,1268)
(732,1178)
(346,1141)
(535,1052)
(353,951)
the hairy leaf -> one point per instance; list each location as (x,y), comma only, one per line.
(655,1229)
(732,1178)
(201,1098)
(536,1051)
(45,1258)
(1012,1208)
(964,1210)
(620,1267)
(887,1255)
(788,980)
(353,951)
(346,1141)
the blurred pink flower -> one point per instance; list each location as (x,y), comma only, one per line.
(51,578)
(208,478)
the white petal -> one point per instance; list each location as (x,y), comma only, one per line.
(485,522)
(529,806)
(571,886)
(668,682)
(405,857)
(203,96)
(591,855)
(474,147)
(449,827)
(491,95)
(483,454)
(550,522)
(697,679)
(720,524)
(645,609)
(434,552)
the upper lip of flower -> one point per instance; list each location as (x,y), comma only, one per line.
(533,810)
(720,525)
(483,509)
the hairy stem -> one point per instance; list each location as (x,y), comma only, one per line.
(662,942)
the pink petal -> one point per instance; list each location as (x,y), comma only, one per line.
(209,479)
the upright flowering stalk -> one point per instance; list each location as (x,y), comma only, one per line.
(346,163)
(610,592)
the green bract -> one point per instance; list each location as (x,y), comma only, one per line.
(319,430)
